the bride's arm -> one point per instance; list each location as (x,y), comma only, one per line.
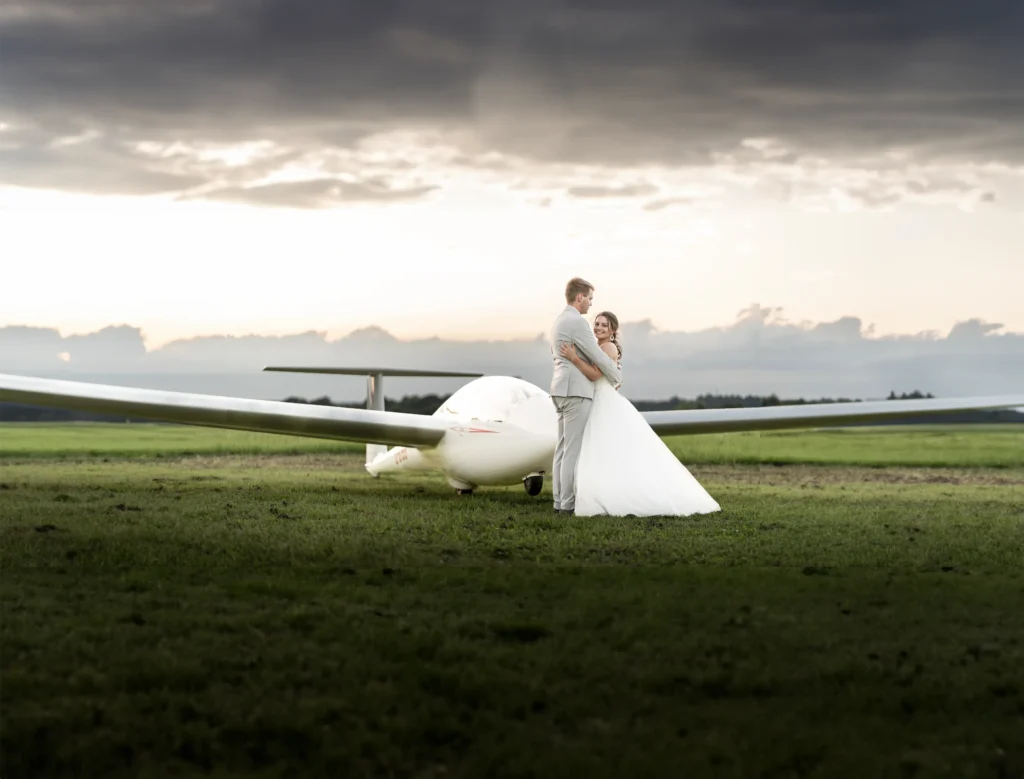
(583,338)
(590,371)
(613,351)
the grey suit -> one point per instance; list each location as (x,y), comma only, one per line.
(573,394)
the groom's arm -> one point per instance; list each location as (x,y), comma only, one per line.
(586,341)
(592,372)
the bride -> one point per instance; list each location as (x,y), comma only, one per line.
(624,468)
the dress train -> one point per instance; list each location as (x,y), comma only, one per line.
(626,469)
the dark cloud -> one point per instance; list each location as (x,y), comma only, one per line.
(318,193)
(668,202)
(618,82)
(760,352)
(874,196)
(622,190)
(84,163)
(30,348)
(95,349)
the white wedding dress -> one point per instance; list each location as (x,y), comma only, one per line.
(626,469)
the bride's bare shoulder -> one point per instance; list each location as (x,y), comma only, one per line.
(611,350)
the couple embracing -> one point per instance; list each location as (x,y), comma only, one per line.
(608,459)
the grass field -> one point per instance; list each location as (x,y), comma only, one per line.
(276,614)
(990,446)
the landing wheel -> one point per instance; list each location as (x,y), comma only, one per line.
(534,484)
(461,487)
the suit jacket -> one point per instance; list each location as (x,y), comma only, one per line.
(568,381)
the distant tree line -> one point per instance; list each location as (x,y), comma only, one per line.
(21,412)
(409,404)
(428,404)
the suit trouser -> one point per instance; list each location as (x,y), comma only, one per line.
(573,413)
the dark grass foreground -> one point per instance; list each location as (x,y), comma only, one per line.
(288,616)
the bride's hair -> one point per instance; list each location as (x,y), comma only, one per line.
(613,325)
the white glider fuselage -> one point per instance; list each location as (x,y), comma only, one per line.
(498,430)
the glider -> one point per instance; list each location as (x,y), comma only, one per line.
(495,430)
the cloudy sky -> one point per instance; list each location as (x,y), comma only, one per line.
(440,169)
(762,352)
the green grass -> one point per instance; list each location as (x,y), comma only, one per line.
(233,615)
(989,446)
(78,439)
(992,446)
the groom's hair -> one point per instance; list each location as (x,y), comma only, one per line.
(576,286)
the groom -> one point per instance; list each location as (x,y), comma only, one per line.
(571,391)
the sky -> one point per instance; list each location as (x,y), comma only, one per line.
(233,167)
(761,353)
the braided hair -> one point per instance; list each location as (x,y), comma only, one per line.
(613,325)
